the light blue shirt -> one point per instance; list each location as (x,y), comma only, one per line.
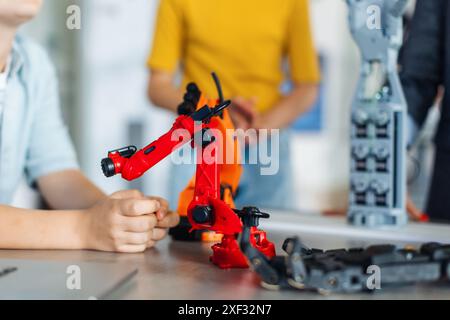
(34,140)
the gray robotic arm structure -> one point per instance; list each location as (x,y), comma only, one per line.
(378,137)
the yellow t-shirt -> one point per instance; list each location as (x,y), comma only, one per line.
(244,41)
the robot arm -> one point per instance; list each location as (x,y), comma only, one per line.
(132,164)
(207,208)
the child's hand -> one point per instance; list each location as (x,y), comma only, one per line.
(123,222)
(165,219)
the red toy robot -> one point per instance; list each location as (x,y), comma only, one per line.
(209,208)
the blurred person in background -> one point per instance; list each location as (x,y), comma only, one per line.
(246,44)
(425,69)
(34,141)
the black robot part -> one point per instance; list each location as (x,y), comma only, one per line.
(348,270)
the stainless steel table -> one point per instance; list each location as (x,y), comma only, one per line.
(179,270)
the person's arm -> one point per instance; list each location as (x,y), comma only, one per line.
(84,195)
(162,92)
(289,108)
(422,59)
(34,229)
(56,187)
(124,222)
(166,55)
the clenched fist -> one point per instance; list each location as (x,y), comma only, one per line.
(127,221)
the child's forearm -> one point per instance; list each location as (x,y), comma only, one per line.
(36,229)
(126,221)
(69,190)
(162,92)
